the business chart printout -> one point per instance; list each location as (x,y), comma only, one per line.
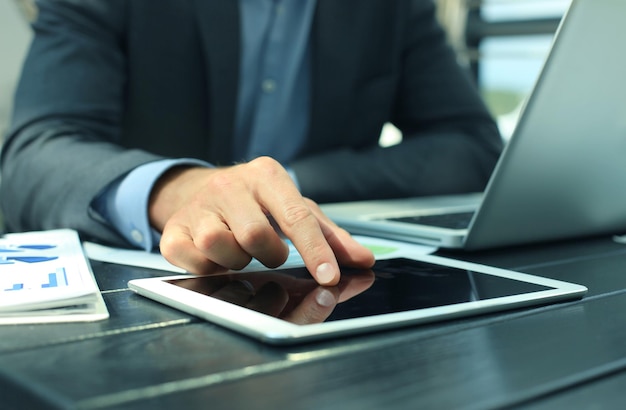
(46,273)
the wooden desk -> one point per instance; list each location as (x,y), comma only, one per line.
(149,356)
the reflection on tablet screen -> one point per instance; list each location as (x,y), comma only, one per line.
(391,286)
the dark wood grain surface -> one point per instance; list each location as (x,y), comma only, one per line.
(150,356)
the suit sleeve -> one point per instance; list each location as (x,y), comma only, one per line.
(450,141)
(63,149)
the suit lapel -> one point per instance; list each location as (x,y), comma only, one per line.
(218,25)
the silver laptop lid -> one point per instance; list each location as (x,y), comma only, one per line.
(563,173)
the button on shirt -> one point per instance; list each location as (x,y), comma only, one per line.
(272,110)
(273,104)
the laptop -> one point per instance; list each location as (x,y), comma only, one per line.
(563,172)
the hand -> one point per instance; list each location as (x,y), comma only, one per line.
(215,219)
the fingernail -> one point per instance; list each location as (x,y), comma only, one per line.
(325,273)
(325,297)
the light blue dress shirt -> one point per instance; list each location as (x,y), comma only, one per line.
(272,110)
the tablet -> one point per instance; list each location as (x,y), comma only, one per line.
(284,306)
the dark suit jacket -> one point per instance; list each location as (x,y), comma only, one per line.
(109,85)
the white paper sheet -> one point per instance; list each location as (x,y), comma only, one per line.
(45,277)
(382,249)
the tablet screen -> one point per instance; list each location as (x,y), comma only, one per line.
(391,286)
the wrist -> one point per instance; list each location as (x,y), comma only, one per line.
(171,191)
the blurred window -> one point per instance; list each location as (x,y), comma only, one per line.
(509,41)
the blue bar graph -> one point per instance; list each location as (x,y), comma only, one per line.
(17,286)
(52,281)
(38,280)
(55,279)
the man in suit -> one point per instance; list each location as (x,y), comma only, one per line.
(130,115)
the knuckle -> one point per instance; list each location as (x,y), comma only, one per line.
(252,235)
(295,215)
(266,166)
(170,245)
(265,162)
(205,239)
(167,247)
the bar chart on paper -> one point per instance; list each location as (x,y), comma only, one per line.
(36,280)
(45,277)
(28,267)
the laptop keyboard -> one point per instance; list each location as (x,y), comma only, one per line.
(457,220)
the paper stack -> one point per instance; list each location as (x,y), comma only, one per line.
(45,277)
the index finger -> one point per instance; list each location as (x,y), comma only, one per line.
(291,212)
(302,227)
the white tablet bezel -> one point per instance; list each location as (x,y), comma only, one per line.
(276,331)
